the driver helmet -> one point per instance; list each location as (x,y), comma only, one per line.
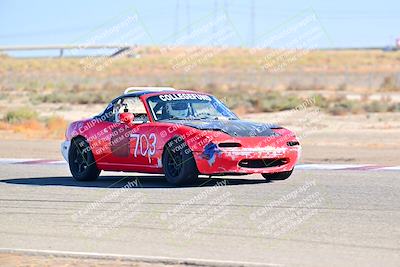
(177,109)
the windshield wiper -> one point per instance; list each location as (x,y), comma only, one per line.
(206,117)
(195,118)
(171,118)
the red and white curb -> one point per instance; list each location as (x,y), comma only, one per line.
(313,166)
(31,161)
(347,167)
(137,259)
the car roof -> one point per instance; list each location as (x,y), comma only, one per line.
(140,93)
(154,91)
(135,89)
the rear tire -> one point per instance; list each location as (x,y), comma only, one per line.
(178,163)
(81,161)
(277,175)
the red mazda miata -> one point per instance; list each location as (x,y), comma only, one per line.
(181,134)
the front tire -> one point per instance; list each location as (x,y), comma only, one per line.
(277,176)
(81,161)
(178,163)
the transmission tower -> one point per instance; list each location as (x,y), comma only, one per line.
(188,16)
(252,22)
(176,18)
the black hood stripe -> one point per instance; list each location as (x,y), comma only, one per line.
(236,128)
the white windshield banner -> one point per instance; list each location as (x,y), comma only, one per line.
(171,97)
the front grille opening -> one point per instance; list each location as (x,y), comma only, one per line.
(262,163)
(293,143)
(229,144)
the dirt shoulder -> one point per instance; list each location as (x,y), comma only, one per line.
(16,259)
(364,138)
(41,149)
(370,139)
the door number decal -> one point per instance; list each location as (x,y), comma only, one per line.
(145,145)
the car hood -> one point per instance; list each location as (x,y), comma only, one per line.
(236,128)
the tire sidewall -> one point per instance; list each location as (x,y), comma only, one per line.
(189,170)
(91,172)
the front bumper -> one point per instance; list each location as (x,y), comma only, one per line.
(247,161)
(65,149)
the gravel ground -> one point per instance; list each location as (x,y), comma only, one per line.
(315,218)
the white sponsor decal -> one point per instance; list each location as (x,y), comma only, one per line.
(170,97)
(145,145)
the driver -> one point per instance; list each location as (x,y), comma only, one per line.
(177,109)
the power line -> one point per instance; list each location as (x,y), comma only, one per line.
(226,5)
(215,17)
(188,16)
(176,19)
(252,23)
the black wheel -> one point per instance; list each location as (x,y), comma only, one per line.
(178,163)
(81,161)
(277,175)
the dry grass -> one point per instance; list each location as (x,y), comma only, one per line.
(37,129)
(390,84)
(26,122)
(56,126)
(152,60)
(233,75)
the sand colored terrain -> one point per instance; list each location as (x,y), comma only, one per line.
(59,91)
(371,139)
(10,259)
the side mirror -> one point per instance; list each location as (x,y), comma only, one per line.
(126,117)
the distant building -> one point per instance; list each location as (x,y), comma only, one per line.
(398,42)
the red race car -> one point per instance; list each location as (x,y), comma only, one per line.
(181,134)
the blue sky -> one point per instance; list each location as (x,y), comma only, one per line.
(348,23)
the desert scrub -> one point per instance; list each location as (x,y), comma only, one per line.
(382,106)
(344,106)
(254,100)
(56,126)
(238,101)
(320,101)
(21,115)
(390,83)
(394,107)
(26,122)
(270,102)
(82,98)
(297,86)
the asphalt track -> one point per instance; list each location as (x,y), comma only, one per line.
(319,217)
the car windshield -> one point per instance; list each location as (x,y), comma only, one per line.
(188,106)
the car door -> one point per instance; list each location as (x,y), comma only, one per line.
(132,145)
(101,128)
